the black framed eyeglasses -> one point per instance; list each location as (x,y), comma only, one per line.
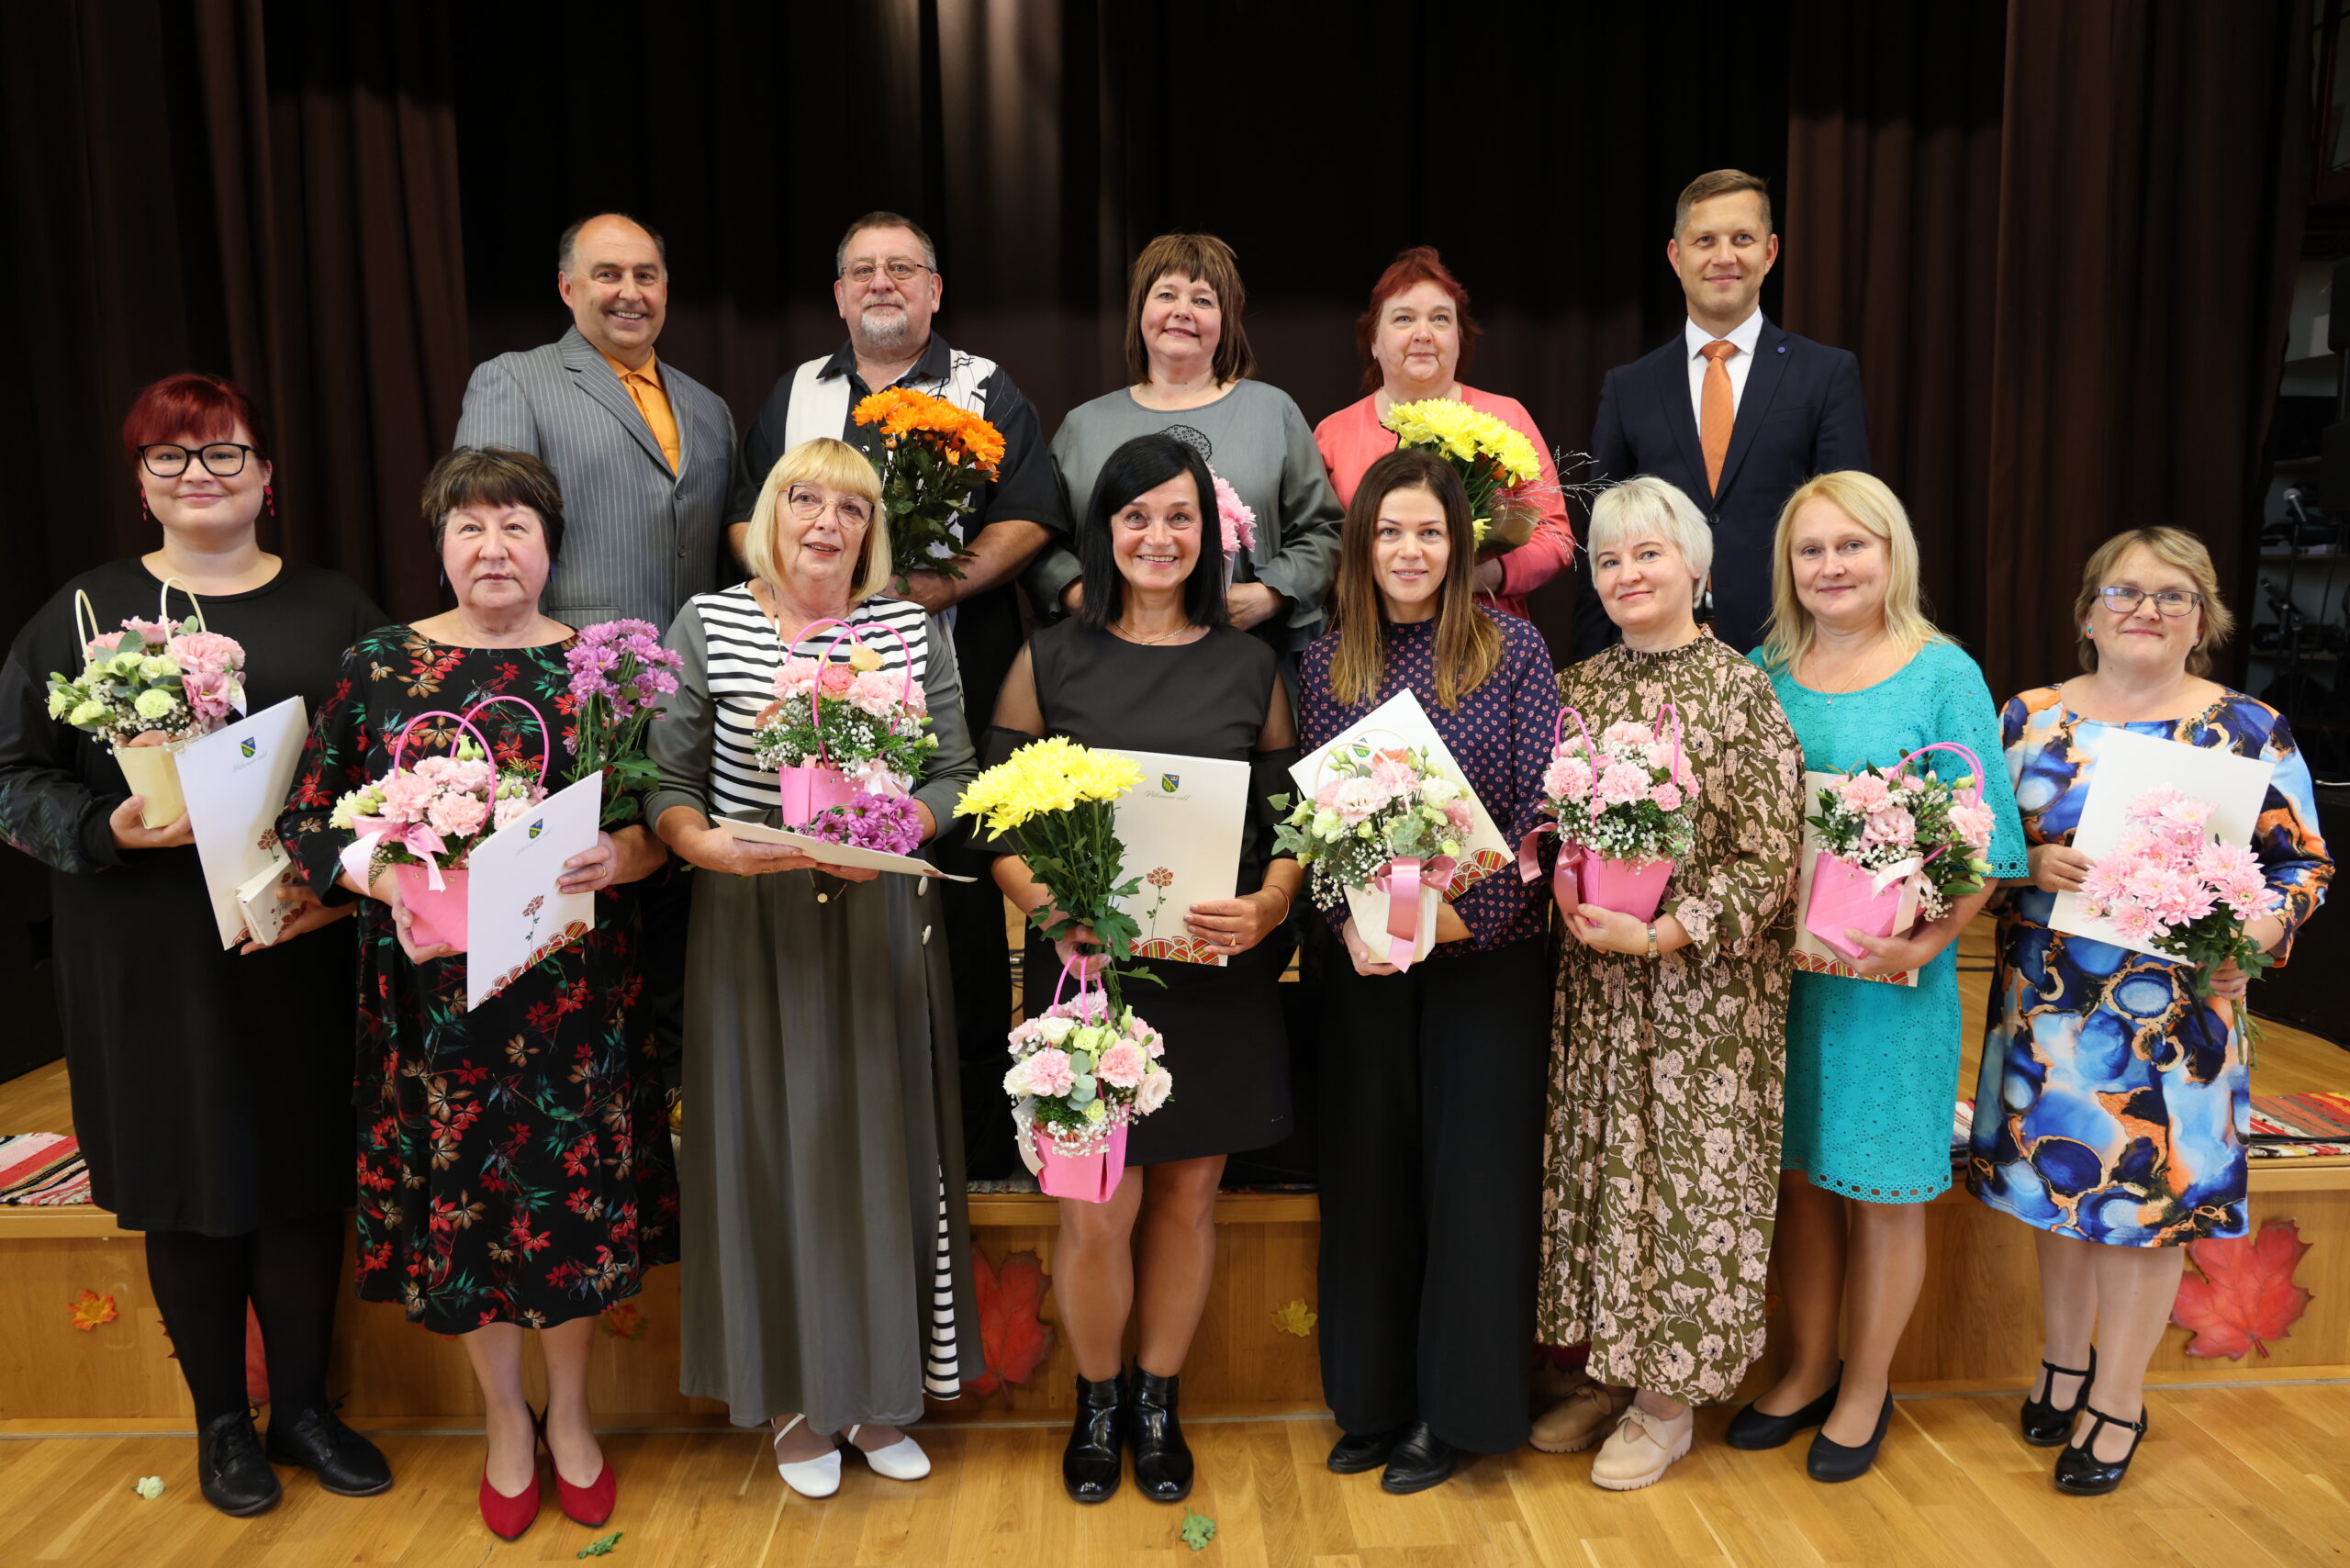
(169,460)
(900,271)
(2170,602)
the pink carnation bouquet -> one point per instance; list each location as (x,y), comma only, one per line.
(1908,824)
(1082,1072)
(870,727)
(1237,523)
(1625,796)
(2169,884)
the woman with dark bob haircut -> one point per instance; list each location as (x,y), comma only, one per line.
(514,1165)
(209,1087)
(1151,664)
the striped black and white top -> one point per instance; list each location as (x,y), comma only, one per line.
(744,653)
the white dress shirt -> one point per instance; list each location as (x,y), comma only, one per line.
(1746,334)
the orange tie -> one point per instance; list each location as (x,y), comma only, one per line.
(1717,411)
(654,404)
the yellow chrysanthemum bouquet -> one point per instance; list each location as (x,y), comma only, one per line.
(1055,799)
(1492,457)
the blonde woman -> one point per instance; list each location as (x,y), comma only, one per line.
(827,1286)
(1864,677)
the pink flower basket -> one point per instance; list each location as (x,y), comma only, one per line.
(433,917)
(1627,887)
(1087,1178)
(811,789)
(1843,897)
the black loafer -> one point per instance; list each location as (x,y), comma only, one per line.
(1162,1459)
(1831,1461)
(2044,1424)
(1093,1461)
(2079,1471)
(231,1467)
(1756,1429)
(1420,1460)
(345,1464)
(1355,1452)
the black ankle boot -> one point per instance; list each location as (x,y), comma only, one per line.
(1162,1459)
(1091,1462)
(230,1468)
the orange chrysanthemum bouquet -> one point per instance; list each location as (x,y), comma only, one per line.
(934,457)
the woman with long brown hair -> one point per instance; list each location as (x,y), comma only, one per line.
(1432,1097)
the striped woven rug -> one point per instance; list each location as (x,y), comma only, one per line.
(43,1168)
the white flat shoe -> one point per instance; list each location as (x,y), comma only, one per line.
(818,1477)
(902,1460)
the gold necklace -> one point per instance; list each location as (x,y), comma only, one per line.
(1149,641)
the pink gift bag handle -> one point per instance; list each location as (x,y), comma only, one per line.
(854,634)
(1084,982)
(545,756)
(1664,712)
(1960,747)
(1332,753)
(464,721)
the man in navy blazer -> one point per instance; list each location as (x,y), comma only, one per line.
(1782,407)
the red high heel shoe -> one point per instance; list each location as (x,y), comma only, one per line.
(506,1516)
(588,1505)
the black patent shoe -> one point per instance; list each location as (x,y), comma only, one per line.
(1831,1461)
(1355,1452)
(2078,1469)
(1091,1465)
(346,1464)
(229,1465)
(2044,1424)
(1162,1459)
(1755,1429)
(1421,1460)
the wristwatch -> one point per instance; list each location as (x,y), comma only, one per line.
(1653,950)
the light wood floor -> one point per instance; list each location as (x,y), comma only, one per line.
(2244,1477)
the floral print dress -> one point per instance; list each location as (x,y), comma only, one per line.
(1661,1157)
(514,1161)
(2114,1103)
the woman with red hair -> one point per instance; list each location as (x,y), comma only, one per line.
(211,1087)
(1417,340)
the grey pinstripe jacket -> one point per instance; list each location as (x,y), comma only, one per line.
(637,540)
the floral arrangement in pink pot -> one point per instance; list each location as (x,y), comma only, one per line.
(423,822)
(147,690)
(1621,806)
(2170,885)
(1083,1071)
(1384,830)
(838,728)
(1885,833)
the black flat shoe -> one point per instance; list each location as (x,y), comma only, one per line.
(2046,1425)
(1755,1429)
(231,1467)
(1092,1464)
(1831,1461)
(1356,1452)
(1420,1460)
(1162,1459)
(346,1464)
(2078,1469)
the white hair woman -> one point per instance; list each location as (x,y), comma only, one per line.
(1657,1203)
(1864,677)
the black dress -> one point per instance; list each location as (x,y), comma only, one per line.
(1226,1043)
(211,1090)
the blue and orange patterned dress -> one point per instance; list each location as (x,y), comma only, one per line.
(2113,1104)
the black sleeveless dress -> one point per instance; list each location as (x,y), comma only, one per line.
(1226,1043)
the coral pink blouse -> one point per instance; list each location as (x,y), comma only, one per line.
(1352,439)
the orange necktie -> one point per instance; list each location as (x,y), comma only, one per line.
(1717,411)
(654,404)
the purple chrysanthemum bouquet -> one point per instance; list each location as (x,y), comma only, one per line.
(620,672)
(887,823)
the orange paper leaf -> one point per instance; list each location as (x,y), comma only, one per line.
(1013,1336)
(90,1309)
(622,1320)
(2246,1295)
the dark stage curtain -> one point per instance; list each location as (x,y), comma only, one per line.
(2151,197)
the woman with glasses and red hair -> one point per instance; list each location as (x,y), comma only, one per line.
(211,1087)
(1417,340)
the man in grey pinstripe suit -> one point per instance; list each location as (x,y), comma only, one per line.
(644,524)
(644,455)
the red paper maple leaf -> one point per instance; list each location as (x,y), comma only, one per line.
(2246,1295)
(1014,1339)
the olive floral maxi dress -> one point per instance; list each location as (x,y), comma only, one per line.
(1660,1160)
(514,1161)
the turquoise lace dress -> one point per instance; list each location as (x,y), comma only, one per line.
(1873,1068)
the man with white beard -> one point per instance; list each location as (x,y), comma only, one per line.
(887,287)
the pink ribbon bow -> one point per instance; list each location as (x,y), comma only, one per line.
(1401,879)
(420,839)
(1529,856)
